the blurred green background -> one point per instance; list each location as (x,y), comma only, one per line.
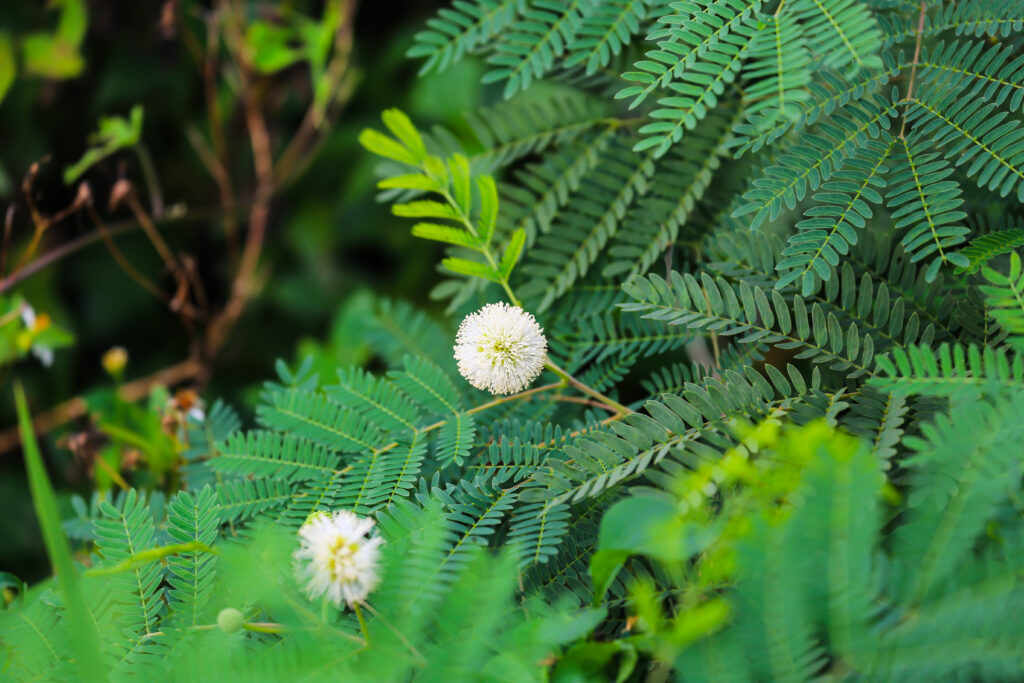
(327,238)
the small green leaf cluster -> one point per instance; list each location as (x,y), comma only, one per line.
(471,206)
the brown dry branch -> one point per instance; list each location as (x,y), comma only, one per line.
(270,178)
(913,68)
(75,408)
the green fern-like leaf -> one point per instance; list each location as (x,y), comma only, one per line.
(597,462)
(378,478)
(610,26)
(375,399)
(878,417)
(718,306)
(694,93)
(191,519)
(1005,297)
(955,495)
(830,227)
(680,181)
(949,369)
(974,133)
(473,511)
(844,32)
(456,438)
(458,30)
(590,221)
(36,641)
(983,249)
(608,338)
(527,49)
(512,130)
(969,18)
(926,202)
(830,93)
(241,499)
(815,159)
(313,416)
(695,31)
(992,72)
(536,531)
(273,455)
(778,68)
(122,532)
(544,188)
(427,385)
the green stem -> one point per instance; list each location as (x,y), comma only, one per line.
(593,393)
(263,627)
(486,250)
(362,622)
(566,378)
(484,406)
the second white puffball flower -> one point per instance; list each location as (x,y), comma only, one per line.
(338,556)
(500,349)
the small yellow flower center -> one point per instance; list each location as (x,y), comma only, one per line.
(339,563)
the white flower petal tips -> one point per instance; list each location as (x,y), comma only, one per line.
(500,349)
(338,556)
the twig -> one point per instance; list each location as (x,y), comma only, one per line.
(77,407)
(312,122)
(114,475)
(182,307)
(580,386)
(362,622)
(120,258)
(153,234)
(913,68)
(222,178)
(263,627)
(149,175)
(43,223)
(213,160)
(263,162)
(88,239)
(583,401)
(482,407)
(8,227)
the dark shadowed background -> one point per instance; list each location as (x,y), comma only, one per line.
(326,237)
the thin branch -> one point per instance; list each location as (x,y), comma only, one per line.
(482,407)
(42,222)
(913,68)
(8,227)
(120,258)
(580,386)
(77,407)
(82,241)
(222,178)
(583,401)
(152,180)
(263,162)
(149,227)
(291,160)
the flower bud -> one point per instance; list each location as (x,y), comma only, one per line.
(115,360)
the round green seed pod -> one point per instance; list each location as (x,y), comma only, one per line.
(230,620)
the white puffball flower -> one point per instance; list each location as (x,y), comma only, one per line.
(338,556)
(500,349)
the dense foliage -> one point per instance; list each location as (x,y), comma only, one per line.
(773,246)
